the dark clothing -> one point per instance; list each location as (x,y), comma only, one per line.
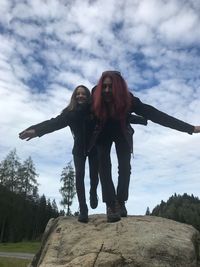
(111,131)
(153,114)
(124,169)
(112,126)
(79,122)
(79,162)
(81,127)
(136,119)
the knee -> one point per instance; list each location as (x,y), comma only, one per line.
(124,168)
(80,176)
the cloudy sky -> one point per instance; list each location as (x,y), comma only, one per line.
(48,47)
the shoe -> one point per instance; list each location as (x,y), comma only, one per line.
(83,216)
(93,199)
(122,209)
(112,214)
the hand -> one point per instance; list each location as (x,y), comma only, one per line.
(196,129)
(27,134)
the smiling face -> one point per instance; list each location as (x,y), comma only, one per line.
(107,89)
(81,96)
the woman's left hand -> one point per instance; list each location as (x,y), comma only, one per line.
(196,129)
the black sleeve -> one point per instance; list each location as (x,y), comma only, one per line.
(153,114)
(51,125)
(137,119)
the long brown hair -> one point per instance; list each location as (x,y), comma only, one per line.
(73,102)
(121,97)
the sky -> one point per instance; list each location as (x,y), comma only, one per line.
(47,48)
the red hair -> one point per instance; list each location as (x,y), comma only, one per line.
(120,94)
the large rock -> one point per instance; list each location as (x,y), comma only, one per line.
(139,241)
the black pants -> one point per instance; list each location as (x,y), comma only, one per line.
(123,151)
(79,162)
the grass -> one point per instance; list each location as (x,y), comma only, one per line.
(12,262)
(26,247)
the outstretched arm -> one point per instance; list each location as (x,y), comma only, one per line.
(162,118)
(45,127)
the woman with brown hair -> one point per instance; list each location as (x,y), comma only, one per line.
(111,102)
(77,116)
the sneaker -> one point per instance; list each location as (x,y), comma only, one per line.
(112,214)
(83,216)
(122,209)
(93,199)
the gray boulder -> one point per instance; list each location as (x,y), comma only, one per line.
(135,241)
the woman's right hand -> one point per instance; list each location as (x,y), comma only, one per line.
(27,134)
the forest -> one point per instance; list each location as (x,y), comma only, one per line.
(182,208)
(23,213)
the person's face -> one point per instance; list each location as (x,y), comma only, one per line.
(81,96)
(107,89)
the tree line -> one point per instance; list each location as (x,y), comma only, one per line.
(182,208)
(23,213)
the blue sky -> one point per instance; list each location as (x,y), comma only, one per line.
(49,47)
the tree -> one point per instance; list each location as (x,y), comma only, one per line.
(23,213)
(55,208)
(185,209)
(9,171)
(41,218)
(68,190)
(147,211)
(27,175)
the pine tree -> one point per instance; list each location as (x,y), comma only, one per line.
(68,190)
(41,220)
(23,213)
(28,185)
(185,209)
(55,209)
(9,171)
(147,211)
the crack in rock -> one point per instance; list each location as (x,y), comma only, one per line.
(97,255)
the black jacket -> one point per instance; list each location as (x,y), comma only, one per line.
(79,122)
(82,126)
(153,114)
(148,113)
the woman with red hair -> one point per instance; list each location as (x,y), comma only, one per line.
(112,102)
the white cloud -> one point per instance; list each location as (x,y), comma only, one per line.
(184,24)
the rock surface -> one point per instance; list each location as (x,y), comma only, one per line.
(138,241)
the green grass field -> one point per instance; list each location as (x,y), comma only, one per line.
(12,262)
(26,247)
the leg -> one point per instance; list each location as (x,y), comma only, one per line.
(94,177)
(108,190)
(124,171)
(93,169)
(124,168)
(79,163)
